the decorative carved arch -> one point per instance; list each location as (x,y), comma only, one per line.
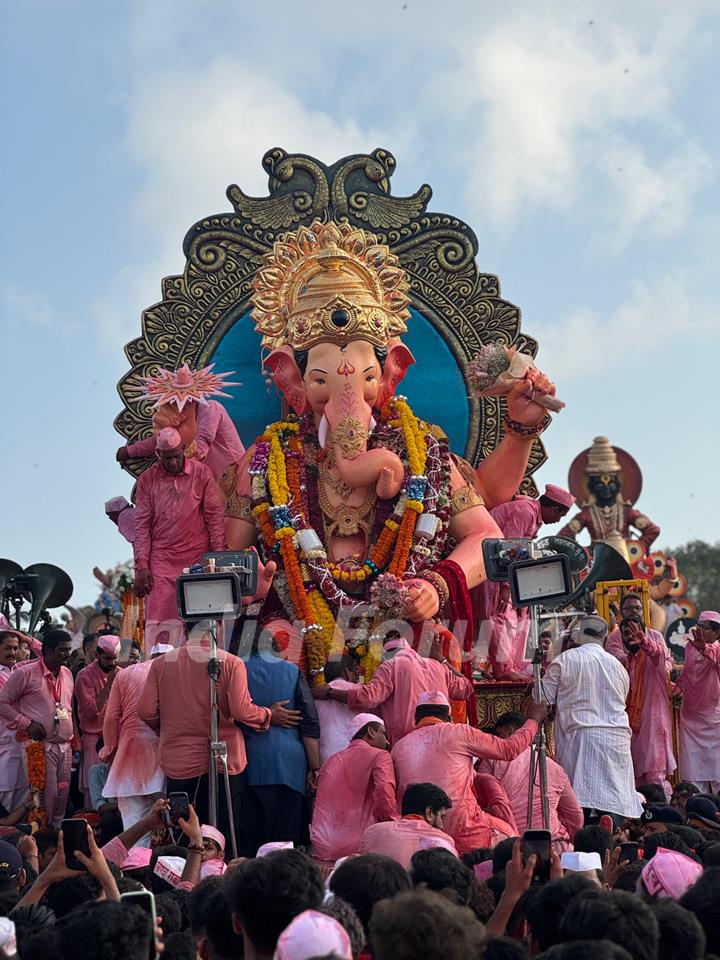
(223,251)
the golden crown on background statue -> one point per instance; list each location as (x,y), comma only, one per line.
(329,281)
(602,458)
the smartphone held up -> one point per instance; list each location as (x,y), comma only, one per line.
(537,842)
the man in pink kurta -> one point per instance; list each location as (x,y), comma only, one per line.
(396,685)
(37,699)
(13,775)
(700,712)
(131,747)
(178,517)
(175,702)
(424,808)
(647,660)
(521,517)
(92,689)
(356,787)
(217,440)
(566,814)
(442,753)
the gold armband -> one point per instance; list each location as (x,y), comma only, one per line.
(465,498)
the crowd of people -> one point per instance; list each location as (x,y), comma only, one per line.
(366,822)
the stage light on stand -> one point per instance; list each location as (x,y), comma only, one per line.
(213,591)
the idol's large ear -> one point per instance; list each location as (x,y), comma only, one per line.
(397,362)
(286,375)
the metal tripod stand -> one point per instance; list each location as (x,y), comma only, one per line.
(218,749)
(538,748)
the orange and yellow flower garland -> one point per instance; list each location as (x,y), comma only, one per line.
(36,780)
(277,473)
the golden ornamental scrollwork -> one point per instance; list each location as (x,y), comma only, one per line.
(224,251)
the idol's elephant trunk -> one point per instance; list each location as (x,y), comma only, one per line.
(348,419)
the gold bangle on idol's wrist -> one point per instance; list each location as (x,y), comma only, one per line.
(439,582)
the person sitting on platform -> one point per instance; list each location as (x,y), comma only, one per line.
(443,752)
(356,787)
(424,808)
(566,815)
(396,685)
(592,736)
(644,653)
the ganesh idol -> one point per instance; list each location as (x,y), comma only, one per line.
(351,497)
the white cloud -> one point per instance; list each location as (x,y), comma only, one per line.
(193,132)
(550,107)
(654,316)
(23,308)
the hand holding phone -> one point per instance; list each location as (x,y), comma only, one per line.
(146,901)
(75,838)
(629,852)
(538,842)
(179,807)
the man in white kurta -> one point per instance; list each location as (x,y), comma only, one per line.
(700,712)
(133,749)
(592,736)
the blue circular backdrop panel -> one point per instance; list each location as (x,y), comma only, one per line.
(434,385)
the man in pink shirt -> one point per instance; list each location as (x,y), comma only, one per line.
(700,712)
(181,401)
(441,752)
(356,788)
(13,775)
(37,699)
(396,685)
(566,814)
(92,689)
(131,747)
(645,655)
(175,702)
(217,441)
(521,517)
(178,517)
(424,808)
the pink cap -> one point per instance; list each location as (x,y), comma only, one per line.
(109,644)
(397,643)
(168,439)
(137,857)
(483,871)
(669,873)
(432,698)
(558,495)
(212,833)
(274,846)
(115,504)
(126,524)
(159,648)
(361,720)
(313,934)
(709,616)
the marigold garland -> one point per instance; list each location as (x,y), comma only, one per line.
(283,466)
(36,772)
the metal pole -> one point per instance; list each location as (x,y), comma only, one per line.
(218,751)
(538,756)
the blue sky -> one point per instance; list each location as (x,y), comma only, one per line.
(579,139)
